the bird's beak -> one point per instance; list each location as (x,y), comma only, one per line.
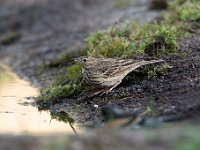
(75,59)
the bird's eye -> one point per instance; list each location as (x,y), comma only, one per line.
(84,60)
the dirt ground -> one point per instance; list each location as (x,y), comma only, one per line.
(47,29)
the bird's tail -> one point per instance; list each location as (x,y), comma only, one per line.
(150,62)
(142,63)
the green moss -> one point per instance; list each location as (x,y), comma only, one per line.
(176,3)
(108,46)
(64,86)
(163,69)
(159,70)
(151,74)
(62,116)
(161,41)
(95,38)
(182,10)
(184,14)
(109,43)
(133,40)
(73,72)
(57,92)
(10,38)
(190,11)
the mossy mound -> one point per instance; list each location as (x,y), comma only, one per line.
(187,10)
(133,40)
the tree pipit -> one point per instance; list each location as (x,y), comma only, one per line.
(109,72)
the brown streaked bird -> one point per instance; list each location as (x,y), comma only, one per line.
(109,72)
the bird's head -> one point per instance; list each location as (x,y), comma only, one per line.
(86,62)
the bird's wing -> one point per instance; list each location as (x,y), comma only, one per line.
(102,66)
(111,67)
(124,67)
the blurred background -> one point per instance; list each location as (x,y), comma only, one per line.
(33,33)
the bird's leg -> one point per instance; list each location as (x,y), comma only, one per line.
(105,91)
(110,89)
(114,86)
(97,93)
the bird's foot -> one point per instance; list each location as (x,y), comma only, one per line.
(105,92)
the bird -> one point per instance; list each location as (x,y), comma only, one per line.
(109,72)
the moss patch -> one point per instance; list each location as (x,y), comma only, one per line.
(64,86)
(107,45)
(133,40)
(184,15)
(190,11)
(62,116)
(184,10)
(159,70)
(161,41)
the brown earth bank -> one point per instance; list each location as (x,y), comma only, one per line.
(42,31)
